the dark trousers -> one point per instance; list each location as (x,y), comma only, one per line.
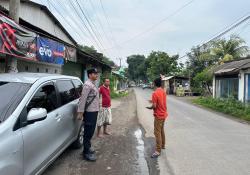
(90,119)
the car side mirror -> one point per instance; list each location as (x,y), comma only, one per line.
(36,114)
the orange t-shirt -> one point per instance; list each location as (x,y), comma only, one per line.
(159,97)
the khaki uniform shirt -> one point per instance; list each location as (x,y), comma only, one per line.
(88,92)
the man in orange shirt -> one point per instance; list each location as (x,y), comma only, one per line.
(159,105)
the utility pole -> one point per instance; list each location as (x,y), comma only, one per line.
(11,62)
(189,77)
(120,61)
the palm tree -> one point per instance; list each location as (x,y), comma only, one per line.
(231,49)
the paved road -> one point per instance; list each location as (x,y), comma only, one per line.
(199,142)
(121,153)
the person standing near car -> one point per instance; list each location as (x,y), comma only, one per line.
(105,115)
(88,109)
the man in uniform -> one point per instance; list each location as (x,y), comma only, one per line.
(88,109)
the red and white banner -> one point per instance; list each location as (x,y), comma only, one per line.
(16,40)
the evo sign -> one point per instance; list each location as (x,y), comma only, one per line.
(50,51)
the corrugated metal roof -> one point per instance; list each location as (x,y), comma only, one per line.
(167,78)
(52,17)
(233,66)
(176,77)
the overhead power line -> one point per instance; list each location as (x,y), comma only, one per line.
(73,19)
(156,24)
(106,36)
(109,26)
(90,25)
(84,25)
(231,27)
(94,26)
(98,20)
(224,32)
(65,19)
(243,28)
(68,23)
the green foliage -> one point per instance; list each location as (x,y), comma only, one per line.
(228,106)
(162,63)
(199,59)
(202,59)
(199,66)
(111,79)
(206,76)
(115,95)
(141,68)
(136,67)
(227,50)
(204,79)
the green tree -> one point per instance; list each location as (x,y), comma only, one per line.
(201,60)
(227,50)
(136,67)
(161,63)
(205,79)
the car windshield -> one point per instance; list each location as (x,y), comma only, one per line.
(11,95)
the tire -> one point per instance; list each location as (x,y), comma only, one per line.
(79,141)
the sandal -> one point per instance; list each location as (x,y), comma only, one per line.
(155,155)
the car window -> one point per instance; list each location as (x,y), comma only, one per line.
(11,94)
(66,90)
(45,97)
(78,85)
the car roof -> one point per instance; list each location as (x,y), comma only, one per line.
(31,77)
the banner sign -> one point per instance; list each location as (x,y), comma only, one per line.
(70,54)
(50,51)
(16,40)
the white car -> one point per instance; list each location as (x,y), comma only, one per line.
(37,120)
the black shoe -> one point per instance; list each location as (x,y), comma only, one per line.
(90,157)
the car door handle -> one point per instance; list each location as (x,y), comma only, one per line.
(58,117)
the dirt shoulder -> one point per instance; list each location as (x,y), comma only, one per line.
(122,153)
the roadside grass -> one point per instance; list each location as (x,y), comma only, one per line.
(227,106)
(115,95)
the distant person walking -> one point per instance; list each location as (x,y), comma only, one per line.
(105,115)
(159,105)
(88,109)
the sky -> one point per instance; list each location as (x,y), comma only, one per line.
(126,27)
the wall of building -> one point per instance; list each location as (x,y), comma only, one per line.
(38,17)
(241,86)
(214,87)
(2,63)
(73,69)
(2,67)
(245,90)
(28,66)
(99,68)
